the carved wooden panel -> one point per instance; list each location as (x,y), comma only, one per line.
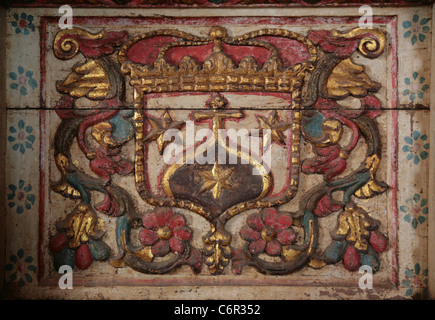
(219,148)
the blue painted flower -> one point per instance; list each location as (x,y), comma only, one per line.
(416,210)
(22,80)
(417,29)
(415,280)
(23,23)
(21,268)
(416,87)
(417,147)
(21,197)
(21,137)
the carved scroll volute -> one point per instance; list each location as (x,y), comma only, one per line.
(98,78)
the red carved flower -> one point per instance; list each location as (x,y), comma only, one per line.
(164,232)
(268,230)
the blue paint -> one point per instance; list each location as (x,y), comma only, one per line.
(313,125)
(335,251)
(64,257)
(123,129)
(100,251)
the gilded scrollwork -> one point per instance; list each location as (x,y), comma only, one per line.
(219,192)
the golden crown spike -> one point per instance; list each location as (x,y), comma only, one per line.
(218,73)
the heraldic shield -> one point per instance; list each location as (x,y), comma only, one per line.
(219,188)
(210,116)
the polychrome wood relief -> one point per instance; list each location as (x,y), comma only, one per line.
(212,149)
(168,63)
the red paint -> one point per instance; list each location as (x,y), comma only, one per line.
(325,207)
(23,23)
(146,51)
(210,21)
(351,259)
(394,153)
(193,280)
(96,47)
(58,243)
(83,257)
(207,4)
(378,241)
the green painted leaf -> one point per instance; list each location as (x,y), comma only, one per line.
(32,268)
(370,259)
(406,24)
(409,140)
(424,155)
(9,267)
(64,257)
(421,37)
(417,268)
(99,249)
(335,251)
(28,188)
(13,276)
(31,198)
(28,277)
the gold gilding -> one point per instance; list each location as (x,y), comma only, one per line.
(89,79)
(348,78)
(354,225)
(81,225)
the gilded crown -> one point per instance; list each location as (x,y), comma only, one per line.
(272,60)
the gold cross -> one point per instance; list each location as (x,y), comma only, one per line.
(217,114)
(218,178)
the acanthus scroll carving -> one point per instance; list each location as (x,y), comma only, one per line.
(271,61)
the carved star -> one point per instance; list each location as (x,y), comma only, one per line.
(276,126)
(216,180)
(159,127)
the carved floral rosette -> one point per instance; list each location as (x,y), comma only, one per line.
(313,72)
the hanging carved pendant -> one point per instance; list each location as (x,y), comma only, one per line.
(215,176)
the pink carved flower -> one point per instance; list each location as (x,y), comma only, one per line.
(164,232)
(268,230)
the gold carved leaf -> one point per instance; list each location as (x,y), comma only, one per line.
(89,79)
(348,78)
